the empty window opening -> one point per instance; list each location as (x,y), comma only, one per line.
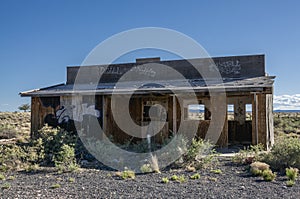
(195,112)
(248,112)
(230,112)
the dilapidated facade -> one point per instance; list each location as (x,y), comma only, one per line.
(243,80)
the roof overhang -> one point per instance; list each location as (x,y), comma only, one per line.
(256,84)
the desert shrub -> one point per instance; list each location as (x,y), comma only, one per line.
(165,180)
(6,185)
(291,173)
(268,175)
(71,179)
(7,132)
(53,140)
(55,186)
(257,168)
(146,168)
(284,153)
(65,159)
(290,183)
(12,157)
(128,174)
(54,146)
(200,154)
(216,171)
(195,176)
(2,177)
(32,168)
(182,179)
(174,178)
(198,148)
(10,177)
(286,123)
(248,154)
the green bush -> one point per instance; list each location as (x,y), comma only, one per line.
(216,171)
(12,157)
(55,186)
(146,168)
(290,183)
(2,177)
(248,154)
(32,168)
(200,154)
(65,159)
(291,173)
(71,179)
(53,146)
(53,140)
(165,180)
(257,168)
(128,174)
(284,154)
(195,176)
(174,178)
(182,179)
(7,132)
(6,186)
(268,175)
(198,148)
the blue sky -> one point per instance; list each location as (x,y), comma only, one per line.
(38,39)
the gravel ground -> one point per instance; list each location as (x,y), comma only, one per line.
(234,182)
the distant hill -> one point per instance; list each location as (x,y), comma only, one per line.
(287,111)
(277,111)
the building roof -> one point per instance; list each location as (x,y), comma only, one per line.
(230,85)
(238,73)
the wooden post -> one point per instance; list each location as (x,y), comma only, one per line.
(174,115)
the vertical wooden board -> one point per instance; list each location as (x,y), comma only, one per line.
(135,109)
(34,116)
(111,128)
(254,119)
(170,113)
(232,138)
(270,122)
(202,129)
(221,112)
(179,114)
(262,127)
(223,139)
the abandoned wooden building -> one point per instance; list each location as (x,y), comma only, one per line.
(248,98)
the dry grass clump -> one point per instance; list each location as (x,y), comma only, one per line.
(126,174)
(256,168)
(14,125)
(262,169)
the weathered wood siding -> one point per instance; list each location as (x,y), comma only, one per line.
(41,108)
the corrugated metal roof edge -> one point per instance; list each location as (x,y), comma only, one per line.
(44,92)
